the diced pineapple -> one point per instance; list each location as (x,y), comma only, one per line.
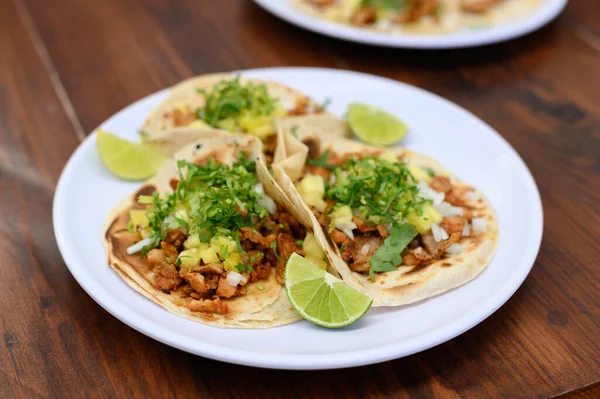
(423,223)
(190,258)
(320,263)
(312,190)
(209,255)
(349,8)
(199,124)
(311,247)
(218,243)
(138,218)
(259,126)
(232,261)
(389,156)
(342,215)
(418,173)
(279,111)
(227,124)
(193,241)
(145,199)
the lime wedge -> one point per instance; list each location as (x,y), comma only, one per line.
(320,297)
(375,126)
(127,160)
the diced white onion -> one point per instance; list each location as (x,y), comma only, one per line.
(428,193)
(384,24)
(439,234)
(365,249)
(454,249)
(472,196)
(466,231)
(347,228)
(259,188)
(446,209)
(137,247)
(268,203)
(332,179)
(234,278)
(479,225)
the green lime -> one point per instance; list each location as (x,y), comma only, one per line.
(375,126)
(128,160)
(320,297)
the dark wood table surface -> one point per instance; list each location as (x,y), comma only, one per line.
(67,65)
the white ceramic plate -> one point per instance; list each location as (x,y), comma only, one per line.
(86,192)
(464,38)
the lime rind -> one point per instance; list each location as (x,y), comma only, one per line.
(375,126)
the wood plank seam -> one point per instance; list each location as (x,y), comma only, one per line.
(50,68)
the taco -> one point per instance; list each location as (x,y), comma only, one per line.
(396,224)
(208,237)
(227,102)
(418,16)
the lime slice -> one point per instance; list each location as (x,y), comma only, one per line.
(127,160)
(320,297)
(375,126)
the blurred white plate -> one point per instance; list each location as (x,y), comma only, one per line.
(464,38)
(87,191)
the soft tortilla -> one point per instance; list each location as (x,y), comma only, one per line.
(406,284)
(264,308)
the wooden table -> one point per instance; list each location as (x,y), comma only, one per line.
(66,65)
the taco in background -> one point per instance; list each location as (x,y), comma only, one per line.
(395,224)
(228,102)
(207,238)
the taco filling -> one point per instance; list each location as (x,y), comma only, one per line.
(382,211)
(216,234)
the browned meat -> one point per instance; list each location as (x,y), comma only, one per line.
(156,256)
(357,258)
(364,16)
(290,224)
(323,219)
(415,243)
(175,237)
(173,183)
(196,280)
(212,280)
(211,268)
(225,290)
(247,233)
(166,276)
(319,171)
(183,271)
(339,237)
(478,6)
(437,249)
(322,3)
(263,270)
(441,184)
(453,224)
(301,107)
(416,257)
(169,251)
(182,117)
(457,197)
(214,305)
(416,10)
(362,226)
(286,246)
(270,144)
(314,147)
(253,258)
(382,230)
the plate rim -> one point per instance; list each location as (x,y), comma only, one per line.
(294,361)
(509,31)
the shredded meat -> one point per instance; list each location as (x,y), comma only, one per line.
(441,184)
(416,10)
(211,268)
(286,246)
(166,276)
(437,249)
(214,305)
(225,290)
(453,224)
(175,237)
(182,117)
(355,257)
(249,234)
(416,257)
(362,226)
(263,270)
(364,16)
(339,237)
(382,230)
(212,280)
(196,280)
(253,258)
(169,251)
(478,6)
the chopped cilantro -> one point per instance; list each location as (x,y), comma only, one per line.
(238,244)
(225,251)
(429,171)
(130,227)
(295,131)
(143,134)
(384,4)
(299,242)
(274,248)
(324,104)
(178,262)
(388,256)
(321,161)
(377,189)
(231,99)
(242,267)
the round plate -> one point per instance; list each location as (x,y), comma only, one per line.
(465,38)
(87,191)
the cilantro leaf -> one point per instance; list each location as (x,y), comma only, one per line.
(144,134)
(388,256)
(242,267)
(321,161)
(429,171)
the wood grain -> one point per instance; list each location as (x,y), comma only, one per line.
(67,65)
